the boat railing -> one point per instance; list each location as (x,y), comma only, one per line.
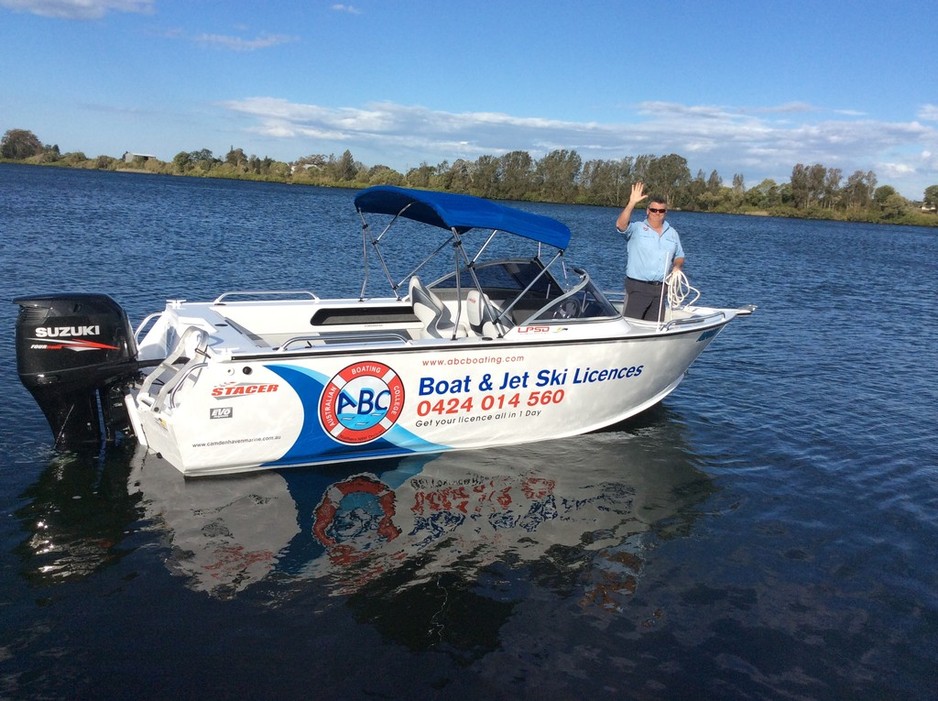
(694,320)
(144,324)
(299,294)
(168,367)
(171,388)
(318,340)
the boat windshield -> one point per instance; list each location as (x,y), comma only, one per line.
(583,301)
(532,293)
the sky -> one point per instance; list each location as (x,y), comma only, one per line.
(750,88)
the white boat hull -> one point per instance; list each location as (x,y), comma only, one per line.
(269,412)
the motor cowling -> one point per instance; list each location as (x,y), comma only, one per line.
(74,353)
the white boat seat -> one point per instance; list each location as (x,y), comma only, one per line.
(436,317)
(483,314)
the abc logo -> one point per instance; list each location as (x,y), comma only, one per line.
(361,402)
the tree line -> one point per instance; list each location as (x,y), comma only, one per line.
(561,176)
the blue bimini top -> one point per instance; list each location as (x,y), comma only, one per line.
(461,213)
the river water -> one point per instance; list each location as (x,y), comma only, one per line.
(768,531)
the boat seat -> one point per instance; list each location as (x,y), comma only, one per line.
(483,314)
(435,316)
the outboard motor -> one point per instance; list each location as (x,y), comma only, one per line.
(76,354)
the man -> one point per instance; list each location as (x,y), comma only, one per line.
(654,251)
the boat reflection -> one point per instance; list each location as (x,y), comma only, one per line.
(427,549)
(582,504)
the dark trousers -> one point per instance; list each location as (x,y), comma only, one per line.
(643,299)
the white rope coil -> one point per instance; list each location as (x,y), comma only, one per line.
(679,289)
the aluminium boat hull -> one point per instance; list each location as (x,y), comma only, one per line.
(274,411)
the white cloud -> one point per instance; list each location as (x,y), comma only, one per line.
(234,43)
(346,8)
(790,107)
(78,9)
(928,113)
(757,142)
(895,170)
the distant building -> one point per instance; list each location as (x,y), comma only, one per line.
(305,166)
(129,157)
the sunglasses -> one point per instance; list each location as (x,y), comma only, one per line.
(657,211)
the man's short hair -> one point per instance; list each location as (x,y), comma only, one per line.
(659,199)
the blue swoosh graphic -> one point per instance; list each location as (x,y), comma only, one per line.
(314,444)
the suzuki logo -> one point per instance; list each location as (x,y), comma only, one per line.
(68,331)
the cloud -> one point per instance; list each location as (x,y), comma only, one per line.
(234,43)
(757,142)
(928,113)
(895,170)
(347,8)
(78,9)
(790,107)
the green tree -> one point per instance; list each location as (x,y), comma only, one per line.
(346,168)
(383,175)
(202,159)
(764,195)
(883,193)
(485,177)
(50,154)
(457,177)
(799,185)
(931,196)
(891,204)
(714,182)
(816,176)
(696,188)
(75,159)
(20,144)
(669,177)
(640,168)
(603,182)
(807,184)
(557,174)
(735,196)
(235,157)
(182,162)
(517,168)
(857,193)
(739,184)
(710,200)
(279,170)
(420,176)
(832,193)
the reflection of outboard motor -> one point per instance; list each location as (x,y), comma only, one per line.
(75,353)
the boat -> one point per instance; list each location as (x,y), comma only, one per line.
(491,339)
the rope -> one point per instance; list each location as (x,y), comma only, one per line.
(679,289)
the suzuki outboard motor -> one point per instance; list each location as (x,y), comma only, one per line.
(76,353)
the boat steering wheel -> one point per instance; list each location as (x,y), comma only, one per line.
(568,309)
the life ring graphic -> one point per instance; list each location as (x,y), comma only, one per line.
(361,403)
(331,504)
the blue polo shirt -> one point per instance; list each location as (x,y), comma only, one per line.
(651,255)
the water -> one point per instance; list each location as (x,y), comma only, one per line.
(767,532)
